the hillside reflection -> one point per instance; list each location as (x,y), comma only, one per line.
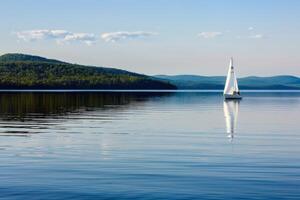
(20,106)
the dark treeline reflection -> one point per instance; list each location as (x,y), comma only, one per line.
(14,106)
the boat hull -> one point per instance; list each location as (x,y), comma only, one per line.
(232,96)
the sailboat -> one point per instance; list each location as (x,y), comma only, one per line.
(231,90)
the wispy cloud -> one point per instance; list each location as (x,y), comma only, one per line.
(251,28)
(210,35)
(257,36)
(254,36)
(63,36)
(60,36)
(123,35)
(87,38)
(33,35)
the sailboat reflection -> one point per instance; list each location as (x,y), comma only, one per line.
(231,109)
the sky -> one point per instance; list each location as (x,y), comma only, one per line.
(158,36)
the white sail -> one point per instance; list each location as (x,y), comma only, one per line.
(231,84)
(231,110)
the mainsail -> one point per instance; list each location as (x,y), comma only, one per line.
(231,85)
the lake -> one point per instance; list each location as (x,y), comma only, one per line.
(149,145)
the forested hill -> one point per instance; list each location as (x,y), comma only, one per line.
(20,71)
(17,57)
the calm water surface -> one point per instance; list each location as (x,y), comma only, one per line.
(97,145)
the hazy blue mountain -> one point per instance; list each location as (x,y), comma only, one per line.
(217,82)
(19,71)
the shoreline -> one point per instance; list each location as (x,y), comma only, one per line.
(150,91)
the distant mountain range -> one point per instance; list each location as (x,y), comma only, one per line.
(20,71)
(284,82)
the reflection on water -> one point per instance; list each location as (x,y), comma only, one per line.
(19,105)
(93,145)
(43,111)
(231,111)
(34,106)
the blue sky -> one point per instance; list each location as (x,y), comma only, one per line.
(158,36)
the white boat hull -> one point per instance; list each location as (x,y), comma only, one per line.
(232,96)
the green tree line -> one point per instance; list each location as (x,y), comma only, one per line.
(60,75)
